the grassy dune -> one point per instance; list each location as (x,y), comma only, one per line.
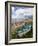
(16,28)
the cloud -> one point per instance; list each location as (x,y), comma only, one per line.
(24,11)
(12,8)
(20,13)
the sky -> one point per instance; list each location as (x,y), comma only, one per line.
(20,12)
